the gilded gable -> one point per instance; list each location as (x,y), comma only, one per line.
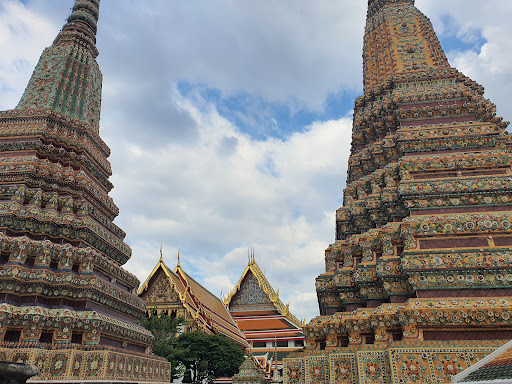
(160,291)
(250,293)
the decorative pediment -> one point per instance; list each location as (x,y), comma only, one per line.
(161,290)
(253,288)
(250,292)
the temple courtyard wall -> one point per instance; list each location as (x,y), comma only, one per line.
(72,365)
(402,362)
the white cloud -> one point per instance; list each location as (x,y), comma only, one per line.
(216,206)
(23,35)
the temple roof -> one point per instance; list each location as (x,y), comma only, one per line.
(253,269)
(495,368)
(204,307)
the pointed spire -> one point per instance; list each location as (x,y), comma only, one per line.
(67,79)
(398,39)
(178,266)
(84,17)
(161,253)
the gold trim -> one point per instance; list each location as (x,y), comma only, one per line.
(269,291)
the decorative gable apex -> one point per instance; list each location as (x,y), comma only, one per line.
(253,278)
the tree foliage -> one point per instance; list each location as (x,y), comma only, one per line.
(207,357)
(165,330)
(197,355)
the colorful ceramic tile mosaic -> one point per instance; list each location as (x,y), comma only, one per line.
(67,304)
(423,249)
(398,363)
(71,364)
(293,371)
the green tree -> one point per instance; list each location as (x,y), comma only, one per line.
(165,329)
(207,357)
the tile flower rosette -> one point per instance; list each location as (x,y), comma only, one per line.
(372,367)
(317,369)
(294,371)
(447,364)
(343,368)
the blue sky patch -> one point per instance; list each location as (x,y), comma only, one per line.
(261,119)
(454,39)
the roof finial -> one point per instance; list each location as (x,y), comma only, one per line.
(161,254)
(178,258)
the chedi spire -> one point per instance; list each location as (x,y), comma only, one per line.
(61,254)
(85,12)
(67,79)
(398,38)
(420,273)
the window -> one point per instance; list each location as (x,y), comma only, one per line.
(75,267)
(76,338)
(12,336)
(30,261)
(46,337)
(323,345)
(343,341)
(259,344)
(299,343)
(369,339)
(282,343)
(4,257)
(54,264)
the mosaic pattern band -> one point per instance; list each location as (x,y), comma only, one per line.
(398,364)
(68,364)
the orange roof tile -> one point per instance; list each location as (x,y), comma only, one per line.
(262,324)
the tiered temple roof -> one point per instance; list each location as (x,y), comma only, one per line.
(418,283)
(267,323)
(176,293)
(66,304)
(493,369)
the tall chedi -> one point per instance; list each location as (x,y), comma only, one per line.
(66,305)
(418,284)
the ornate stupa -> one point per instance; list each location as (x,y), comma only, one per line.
(249,373)
(66,304)
(418,284)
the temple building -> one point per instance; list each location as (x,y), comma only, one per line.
(176,294)
(493,369)
(418,284)
(269,326)
(66,304)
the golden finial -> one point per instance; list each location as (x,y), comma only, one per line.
(161,254)
(179,258)
(250,255)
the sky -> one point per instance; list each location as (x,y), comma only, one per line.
(230,121)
